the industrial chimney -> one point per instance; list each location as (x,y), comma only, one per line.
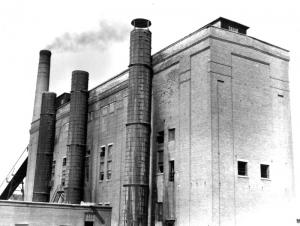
(42,85)
(77,137)
(138,125)
(42,82)
(45,148)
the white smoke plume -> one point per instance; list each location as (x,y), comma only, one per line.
(106,34)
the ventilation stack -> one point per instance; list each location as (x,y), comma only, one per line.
(42,82)
(77,137)
(138,125)
(44,156)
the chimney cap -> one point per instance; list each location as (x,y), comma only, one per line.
(45,52)
(141,23)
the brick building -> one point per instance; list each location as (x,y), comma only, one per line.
(197,134)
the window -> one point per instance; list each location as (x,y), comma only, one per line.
(108,171)
(242,168)
(101,173)
(264,171)
(102,153)
(171,134)
(171,170)
(63,177)
(109,151)
(86,165)
(53,168)
(233,29)
(88,223)
(64,161)
(160,137)
(160,161)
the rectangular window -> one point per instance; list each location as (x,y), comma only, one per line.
(233,29)
(160,137)
(64,161)
(108,171)
(160,161)
(264,171)
(87,165)
(53,168)
(171,134)
(242,168)
(171,170)
(63,177)
(109,151)
(101,173)
(111,108)
(102,154)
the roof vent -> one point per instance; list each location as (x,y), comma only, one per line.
(230,25)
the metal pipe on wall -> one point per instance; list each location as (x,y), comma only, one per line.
(138,127)
(44,156)
(77,137)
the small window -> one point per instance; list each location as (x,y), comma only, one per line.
(87,165)
(160,161)
(53,168)
(109,151)
(171,134)
(101,173)
(102,153)
(172,170)
(108,171)
(64,161)
(242,168)
(264,171)
(233,29)
(88,223)
(160,137)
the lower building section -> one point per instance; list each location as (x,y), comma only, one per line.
(45,214)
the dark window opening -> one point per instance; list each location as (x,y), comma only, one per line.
(88,223)
(264,171)
(101,174)
(160,137)
(242,168)
(170,223)
(280,95)
(64,161)
(171,170)
(160,161)
(102,153)
(171,134)
(108,171)
(53,168)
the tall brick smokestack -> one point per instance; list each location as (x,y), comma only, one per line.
(44,156)
(138,125)
(42,81)
(77,137)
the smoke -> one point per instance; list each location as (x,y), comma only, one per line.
(99,39)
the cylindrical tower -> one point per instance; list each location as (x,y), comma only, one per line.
(41,188)
(42,82)
(77,137)
(138,125)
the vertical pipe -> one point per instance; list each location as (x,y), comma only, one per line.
(42,82)
(77,137)
(41,188)
(138,125)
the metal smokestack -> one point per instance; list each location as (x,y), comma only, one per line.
(45,148)
(77,137)
(138,125)
(42,82)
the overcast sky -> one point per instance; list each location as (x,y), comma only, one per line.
(31,25)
